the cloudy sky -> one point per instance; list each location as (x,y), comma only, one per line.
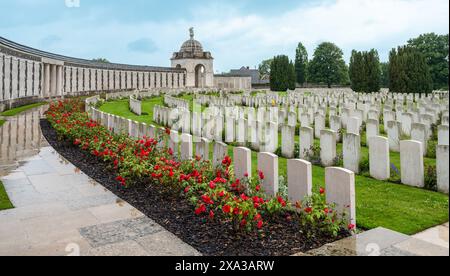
(237,32)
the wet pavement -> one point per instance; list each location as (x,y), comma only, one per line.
(384,242)
(60,211)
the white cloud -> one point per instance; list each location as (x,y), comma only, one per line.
(236,38)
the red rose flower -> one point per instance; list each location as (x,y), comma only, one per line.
(200,210)
(212,185)
(261,175)
(322,191)
(226,209)
(260,224)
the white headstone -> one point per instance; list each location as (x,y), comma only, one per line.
(328,147)
(299,179)
(340,190)
(268,164)
(352,152)
(442,168)
(412,167)
(242,162)
(379,158)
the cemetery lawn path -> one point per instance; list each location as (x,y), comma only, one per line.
(20,109)
(4,199)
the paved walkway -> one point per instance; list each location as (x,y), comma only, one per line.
(384,242)
(61,211)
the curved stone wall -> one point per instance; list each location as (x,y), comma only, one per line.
(29,75)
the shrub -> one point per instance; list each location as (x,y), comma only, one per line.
(431,149)
(430,178)
(364,166)
(395,175)
(313,155)
(317,217)
(339,160)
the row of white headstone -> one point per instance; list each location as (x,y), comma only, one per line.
(263,137)
(135,106)
(339,182)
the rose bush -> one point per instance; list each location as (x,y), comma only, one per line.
(213,191)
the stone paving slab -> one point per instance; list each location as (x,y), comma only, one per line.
(60,211)
(437,235)
(380,242)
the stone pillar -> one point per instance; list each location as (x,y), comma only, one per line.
(268,165)
(242,162)
(442,168)
(53,81)
(352,152)
(59,80)
(379,158)
(186,147)
(46,80)
(299,179)
(411,158)
(340,190)
(327,147)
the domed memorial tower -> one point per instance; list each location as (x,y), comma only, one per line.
(199,65)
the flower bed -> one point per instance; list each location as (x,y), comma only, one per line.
(205,206)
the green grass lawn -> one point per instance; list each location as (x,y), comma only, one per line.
(4,200)
(121,108)
(2,122)
(20,109)
(397,207)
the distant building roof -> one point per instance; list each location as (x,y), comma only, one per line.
(247,72)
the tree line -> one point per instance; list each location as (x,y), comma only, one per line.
(420,66)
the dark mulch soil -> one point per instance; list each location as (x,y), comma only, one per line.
(280,237)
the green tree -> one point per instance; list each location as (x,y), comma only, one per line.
(373,71)
(409,71)
(282,74)
(301,64)
(435,49)
(384,68)
(292,76)
(264,67)
(365,71)
(101,60)
(357,74)
(328,65)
